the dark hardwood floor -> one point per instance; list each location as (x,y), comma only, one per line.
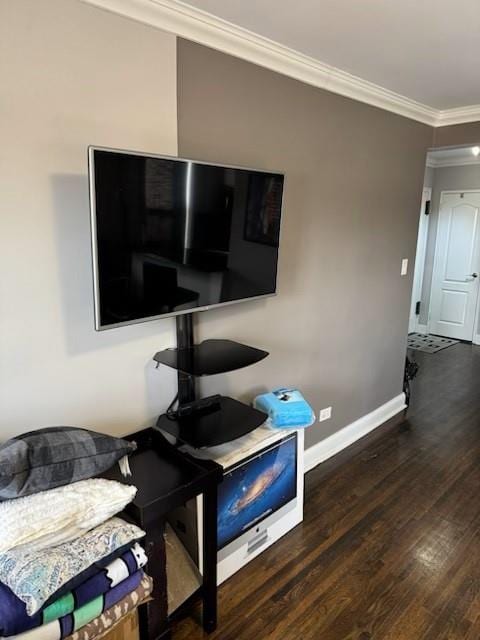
(390,545)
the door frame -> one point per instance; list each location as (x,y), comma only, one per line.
(475,335)
(419,269)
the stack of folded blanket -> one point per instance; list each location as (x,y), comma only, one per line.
(69,566)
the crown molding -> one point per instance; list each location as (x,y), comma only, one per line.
(204,28)
(459,115)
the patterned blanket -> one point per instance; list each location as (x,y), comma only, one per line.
(13,616)
(111,617)
(66,625)
(36,576)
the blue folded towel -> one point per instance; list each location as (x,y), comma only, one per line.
(285,408)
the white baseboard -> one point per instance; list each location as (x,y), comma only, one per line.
(351,433)
(476,339)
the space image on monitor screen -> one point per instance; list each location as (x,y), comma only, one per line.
(256,488)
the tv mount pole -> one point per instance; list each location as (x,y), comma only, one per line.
(185,341)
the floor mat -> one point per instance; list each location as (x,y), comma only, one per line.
(429,343)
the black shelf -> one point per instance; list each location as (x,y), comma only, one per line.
(210,357)
(231,420)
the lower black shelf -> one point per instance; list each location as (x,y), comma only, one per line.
(231,420)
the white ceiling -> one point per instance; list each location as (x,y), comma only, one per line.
(425,50)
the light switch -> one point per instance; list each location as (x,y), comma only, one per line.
(404,270)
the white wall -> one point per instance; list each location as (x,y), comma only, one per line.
(72,75)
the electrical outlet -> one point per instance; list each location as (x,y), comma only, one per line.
(325,414)
(404,269)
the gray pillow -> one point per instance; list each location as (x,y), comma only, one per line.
(56,456)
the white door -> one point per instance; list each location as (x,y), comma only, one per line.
(455,281)
(413,324)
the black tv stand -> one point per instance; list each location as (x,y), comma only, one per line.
(204,423)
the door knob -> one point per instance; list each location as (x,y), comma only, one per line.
(474,275)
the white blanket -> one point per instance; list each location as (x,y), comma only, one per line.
(52,517)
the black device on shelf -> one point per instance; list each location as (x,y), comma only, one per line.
(203,406)
(211,421)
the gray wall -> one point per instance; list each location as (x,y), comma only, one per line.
(445,179)
(72,75)
(354,177)
(456,135)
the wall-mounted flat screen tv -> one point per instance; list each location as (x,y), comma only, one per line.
(172,236)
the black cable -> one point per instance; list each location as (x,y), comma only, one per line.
(171,415)
(411,370)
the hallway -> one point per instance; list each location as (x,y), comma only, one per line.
(390,545)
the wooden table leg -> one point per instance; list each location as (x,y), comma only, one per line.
(210,558)
(153,616)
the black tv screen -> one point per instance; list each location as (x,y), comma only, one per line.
(172,236)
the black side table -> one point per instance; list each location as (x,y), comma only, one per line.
(166,479)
